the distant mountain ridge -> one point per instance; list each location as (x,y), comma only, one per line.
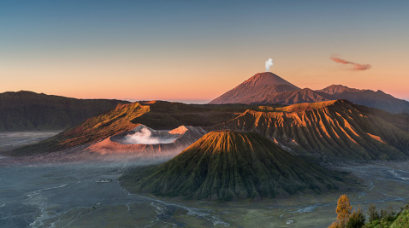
(268,88)
(369,98)
(25,110)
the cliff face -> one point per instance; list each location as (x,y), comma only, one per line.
(330,130)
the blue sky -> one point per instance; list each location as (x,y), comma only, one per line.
(196,50)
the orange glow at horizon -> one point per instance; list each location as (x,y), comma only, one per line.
(182,80)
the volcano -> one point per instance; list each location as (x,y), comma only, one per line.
(268,88)
(255,89)
(232,165)
(330,130)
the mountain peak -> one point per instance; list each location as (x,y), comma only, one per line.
(255,89)
(267,79)
(244,165)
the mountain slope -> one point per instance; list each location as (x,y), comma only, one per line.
(295,97)
(230,165)
(255,89)
(158,115)
(368,98)
(333,130)
(268,88)
(337,89)
(92,130)
(32,111)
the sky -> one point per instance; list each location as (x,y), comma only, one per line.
(194,51)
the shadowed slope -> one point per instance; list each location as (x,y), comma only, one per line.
(92,130)
(368,98)
(255,89)
(24,110)
(330,130)
(295,97)
(155,114)
(268,88)
(229,165)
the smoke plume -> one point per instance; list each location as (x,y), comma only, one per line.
(269,63)
(355,66)
(144,136)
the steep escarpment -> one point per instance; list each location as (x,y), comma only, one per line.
(330,130)
(232,165)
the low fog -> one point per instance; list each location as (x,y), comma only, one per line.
(80,155)
(12,140)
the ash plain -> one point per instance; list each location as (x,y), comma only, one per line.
(81,190)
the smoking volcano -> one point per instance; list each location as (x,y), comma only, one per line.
(145,135)
(232,165)
(143,139)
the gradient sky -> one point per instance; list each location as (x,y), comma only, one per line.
(195,51)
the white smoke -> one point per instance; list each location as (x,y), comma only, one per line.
(144,136)
(269,63)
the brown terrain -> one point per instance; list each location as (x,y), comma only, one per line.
(268,88)
(255,89)
(332,130)
(327,131)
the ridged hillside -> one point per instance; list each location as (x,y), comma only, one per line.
(154,114)
(296,97)
(92,130)
(231,165)
(330,130)
(24,110)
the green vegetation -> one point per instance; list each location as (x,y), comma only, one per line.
(388,218)
(231,165)
(357,219)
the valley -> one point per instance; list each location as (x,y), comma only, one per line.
(68,192)
(166,114)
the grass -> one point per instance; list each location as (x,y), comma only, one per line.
(226,165)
